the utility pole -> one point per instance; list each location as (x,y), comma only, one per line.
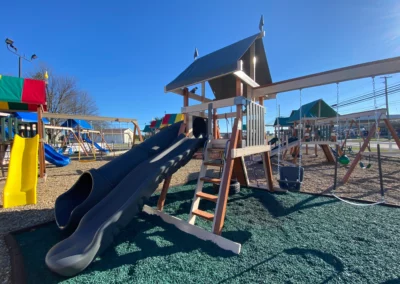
(386,95)
(387,100)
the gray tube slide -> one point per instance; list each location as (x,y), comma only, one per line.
(99,226)
(95,184)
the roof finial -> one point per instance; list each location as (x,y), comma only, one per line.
(261,24)
(196,53)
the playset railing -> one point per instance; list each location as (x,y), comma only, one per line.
(253,113)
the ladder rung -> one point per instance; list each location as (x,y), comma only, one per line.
(203,214)
(210,197)
(210,179)
(216,163)
(216,149)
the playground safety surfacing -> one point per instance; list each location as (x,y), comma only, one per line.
(287,238)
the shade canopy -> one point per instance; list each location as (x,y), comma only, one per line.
(315,109)
(146,129)
(73,123)
(29,117)
(283,121)
(21,94)
(218,67)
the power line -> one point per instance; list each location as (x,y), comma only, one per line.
(394,89)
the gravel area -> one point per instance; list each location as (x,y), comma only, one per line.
(363,183)
(58,181)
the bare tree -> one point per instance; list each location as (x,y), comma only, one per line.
(65,96)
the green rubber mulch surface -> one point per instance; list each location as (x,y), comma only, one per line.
(289,238)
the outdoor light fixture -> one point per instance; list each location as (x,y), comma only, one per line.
(9,41)
(10,44)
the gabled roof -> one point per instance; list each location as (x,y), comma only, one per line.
(83,124)
(283,121)
(218,66)
(315,109)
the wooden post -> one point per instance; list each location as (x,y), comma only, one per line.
(215,125)
(163,194)
(167,181)
(392,132)
(316,150)
(239,92)
(42,163)
(268,170)
(220,211)
(186,104)
(358,156)
(134,135)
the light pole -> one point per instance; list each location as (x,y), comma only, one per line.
(13,49)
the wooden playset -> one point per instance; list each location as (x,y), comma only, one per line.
(239,77)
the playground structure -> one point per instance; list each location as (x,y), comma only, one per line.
(88,139)
(105,200)
(18,94)
(158,124)
(311,133)
(228,80)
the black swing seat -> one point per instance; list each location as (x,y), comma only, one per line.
(289,178)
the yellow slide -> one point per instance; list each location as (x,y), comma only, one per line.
(22,176)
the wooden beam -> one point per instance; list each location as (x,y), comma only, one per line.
(215,125)
(240,172)
(227,115)
(268,170)
(369,69)
(357,158)
(355,115)
(138,131)
(247,79)
(163,194)
(203,107)
(167,181)
(220,211)
(242,152)
(392,131)
(193,96)
(86,117)
(195,231)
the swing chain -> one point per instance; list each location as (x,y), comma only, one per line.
(300,138)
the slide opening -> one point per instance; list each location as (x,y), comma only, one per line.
(73,198)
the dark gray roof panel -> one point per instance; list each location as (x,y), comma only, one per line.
(221,62)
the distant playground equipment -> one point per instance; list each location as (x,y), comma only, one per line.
(19,94)
(158,124)
(80,136)
(55,158)
(77,135)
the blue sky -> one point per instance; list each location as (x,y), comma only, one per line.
(124,52)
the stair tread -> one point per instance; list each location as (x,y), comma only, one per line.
(210,179)
(203,214)
(215,162)
(216,149)
(210,197)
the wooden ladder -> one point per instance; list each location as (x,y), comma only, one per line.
(224,182)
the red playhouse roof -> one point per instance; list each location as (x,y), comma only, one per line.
(21,94)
